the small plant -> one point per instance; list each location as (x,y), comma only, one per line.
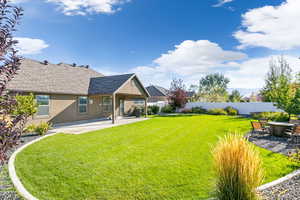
(30,129)
(43,128)
(238,169)
(272,116)
(167,109)
(217,111)
(199,110)
(153,110)
(295,156)
(231,111)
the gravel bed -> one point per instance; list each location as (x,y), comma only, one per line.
(287,190)
(7,190)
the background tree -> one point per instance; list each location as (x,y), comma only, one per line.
(235,96)
(177,96)
(280,88)
(11,127)
(213,88)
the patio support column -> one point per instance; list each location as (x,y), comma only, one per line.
(113,108)
(146,107)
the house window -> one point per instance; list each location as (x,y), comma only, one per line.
(107,103)
(43,105)
(82,104)
(139,102)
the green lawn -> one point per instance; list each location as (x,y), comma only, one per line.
(161,158)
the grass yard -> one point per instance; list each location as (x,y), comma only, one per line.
(161,158)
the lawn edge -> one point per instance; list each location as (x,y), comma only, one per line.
(12,170)
(278,181)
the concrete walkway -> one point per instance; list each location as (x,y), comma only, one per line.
(91,125)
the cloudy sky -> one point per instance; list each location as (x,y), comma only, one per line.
(160,40)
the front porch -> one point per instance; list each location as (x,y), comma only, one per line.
(92,125)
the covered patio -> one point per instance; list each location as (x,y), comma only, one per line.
(120,95)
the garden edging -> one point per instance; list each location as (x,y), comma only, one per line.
(278,181)
(12,171)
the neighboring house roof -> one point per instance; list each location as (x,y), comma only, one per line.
(38,77)
(108,84)
(155,91)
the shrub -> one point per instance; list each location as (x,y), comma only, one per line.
(273,116)
(231,111)
(30,129)
(153,110)
(43,128)
(186,111)
(238,169)
(167,109)
(199,110)
(217,111)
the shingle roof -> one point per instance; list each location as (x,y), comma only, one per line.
(155,90)
(35,76)
(108,84)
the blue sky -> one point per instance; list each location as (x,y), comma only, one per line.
(161,39)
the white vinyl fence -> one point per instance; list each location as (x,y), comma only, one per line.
(243,108)
(160,104)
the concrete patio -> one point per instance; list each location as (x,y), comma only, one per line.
(91,125)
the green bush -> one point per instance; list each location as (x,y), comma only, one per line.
(153,110)
(272,116)
(217,111)
(26,105)
(199,110)
(30,128)
(43,128)
(167,109)
(231,111)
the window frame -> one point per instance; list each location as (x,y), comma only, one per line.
(105,106)
(80,104)
(36,99)
(139,102)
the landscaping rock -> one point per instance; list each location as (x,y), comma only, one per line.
(287,190)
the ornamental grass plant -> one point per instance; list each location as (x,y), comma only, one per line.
(238,169)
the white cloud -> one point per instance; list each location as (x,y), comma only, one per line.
(29,46)
(222,2)
(251,73)
(83,7)
(274,27)
(190,60)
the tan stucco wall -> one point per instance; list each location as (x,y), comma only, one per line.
(64,108)
(132,87)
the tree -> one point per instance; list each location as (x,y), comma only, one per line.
(11,127)
(213,88)
(280,88)
(177,96)
(279,75)
(235,96)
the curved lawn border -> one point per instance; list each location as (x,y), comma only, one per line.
(278,181)
(12,170)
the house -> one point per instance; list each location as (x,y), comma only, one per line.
(157,94)
(67,93)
